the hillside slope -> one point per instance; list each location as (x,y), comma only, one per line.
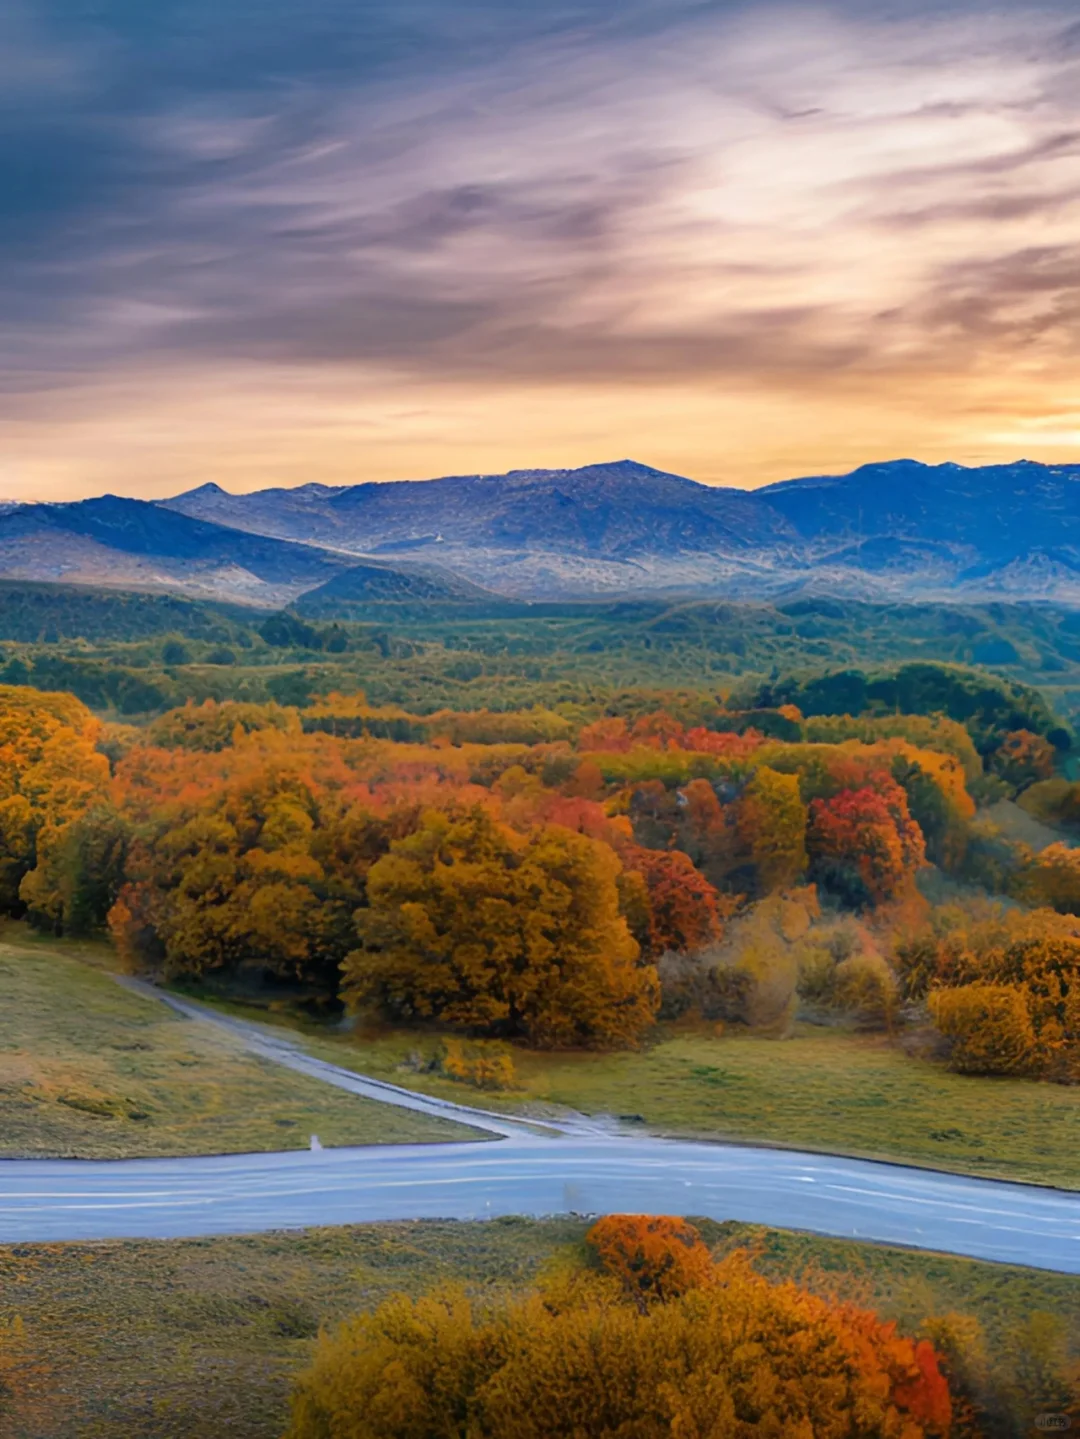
(134,544)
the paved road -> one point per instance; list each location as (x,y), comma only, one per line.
(72,1199)
(585,1168)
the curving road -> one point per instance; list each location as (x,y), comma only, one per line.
(73,1199)
(530,1170)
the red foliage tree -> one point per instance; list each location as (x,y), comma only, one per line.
(863,843)
(684,908)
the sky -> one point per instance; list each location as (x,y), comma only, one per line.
(259,243)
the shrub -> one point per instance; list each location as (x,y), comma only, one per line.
(864,987)
(988,1026)
(482,1066)
(702,984)
(1053,878)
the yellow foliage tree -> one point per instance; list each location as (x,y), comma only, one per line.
(772,827)
(50,775)
(485,930)
(738,1358)
(989,1026)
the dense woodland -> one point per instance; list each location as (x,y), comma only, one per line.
(570,877)
(133,655)
(575,861)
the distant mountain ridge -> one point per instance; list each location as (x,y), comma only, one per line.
(887,531)
(890,530)
(139,545)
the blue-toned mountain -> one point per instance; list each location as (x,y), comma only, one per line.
(138,545)
(895,529)
(998,512)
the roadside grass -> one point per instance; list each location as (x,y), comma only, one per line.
(193,1339)
(825,1089)
(64,1026)
(90,1070)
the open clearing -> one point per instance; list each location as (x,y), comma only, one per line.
(193,1339)
(89,1070)
(824,1090)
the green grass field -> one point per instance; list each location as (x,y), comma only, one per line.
(89,1070)
(825,1090)
(195,1339)
(79,1058)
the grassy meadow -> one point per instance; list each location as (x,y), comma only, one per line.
(89,1070)
(195,1339)
(824,1089)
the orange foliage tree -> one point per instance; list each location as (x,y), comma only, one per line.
(863,844)
(1022,758)
(736,1357)
(249,857)
(653,1256)
(486,930)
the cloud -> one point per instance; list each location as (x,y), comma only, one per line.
(797,199)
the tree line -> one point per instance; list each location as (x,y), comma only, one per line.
(568,887)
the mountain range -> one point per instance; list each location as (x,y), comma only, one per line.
(890,531)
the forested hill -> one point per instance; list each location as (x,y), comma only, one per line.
(49,613)
(135,653)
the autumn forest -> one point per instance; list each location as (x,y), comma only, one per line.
(881,857)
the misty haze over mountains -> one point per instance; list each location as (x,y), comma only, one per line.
(897,530)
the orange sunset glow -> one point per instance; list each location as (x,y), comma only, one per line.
(738,243)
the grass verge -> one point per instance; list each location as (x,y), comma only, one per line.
(89,1070)
(193,1339)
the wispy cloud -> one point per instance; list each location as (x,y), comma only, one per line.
(828,209)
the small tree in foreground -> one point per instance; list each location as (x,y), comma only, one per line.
(732,1356)
(653,1256)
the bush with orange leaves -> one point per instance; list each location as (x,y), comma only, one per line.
(653,1256)
(731,1357)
